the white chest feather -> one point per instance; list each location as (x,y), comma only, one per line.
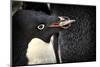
(40,52)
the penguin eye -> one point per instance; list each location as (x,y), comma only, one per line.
(41,26)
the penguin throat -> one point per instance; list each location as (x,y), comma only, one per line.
(40,52)
(45,38)
(40,41)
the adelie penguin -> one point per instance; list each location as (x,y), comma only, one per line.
(33,36)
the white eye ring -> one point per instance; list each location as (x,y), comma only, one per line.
(41,26)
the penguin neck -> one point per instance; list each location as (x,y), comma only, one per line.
(45,38)
(40,52)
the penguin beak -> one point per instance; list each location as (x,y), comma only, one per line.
(63,23)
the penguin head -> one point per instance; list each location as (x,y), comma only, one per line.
(39,25)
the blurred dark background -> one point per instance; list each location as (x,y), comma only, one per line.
(78,43)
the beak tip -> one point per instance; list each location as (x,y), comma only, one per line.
(71,21)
